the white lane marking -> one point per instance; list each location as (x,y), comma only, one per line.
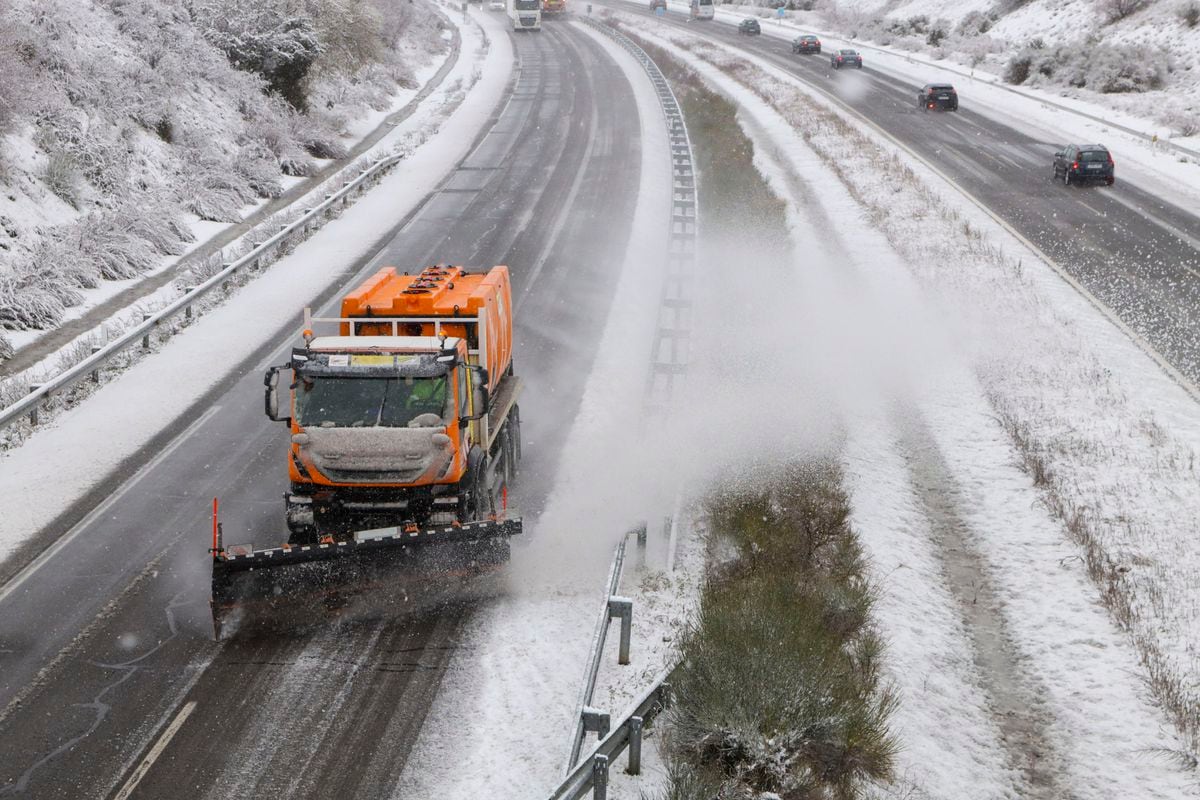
(156,751)
(565,211)
(31,569)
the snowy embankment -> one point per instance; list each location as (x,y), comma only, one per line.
(505,729)
(1037,656)
(1142,69)
(62,461)
(132,133)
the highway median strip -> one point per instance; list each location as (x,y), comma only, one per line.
(779,685)
(1061,405)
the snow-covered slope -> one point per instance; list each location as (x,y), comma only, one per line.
(123,123)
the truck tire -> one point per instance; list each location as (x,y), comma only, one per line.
(302,528)
(474,502)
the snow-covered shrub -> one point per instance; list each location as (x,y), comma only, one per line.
(1189,13)
(268,38)
(32,293)
(976,22)
(1101,67)
(60,173)
(779,687)
(1112,69)
(348,31)
(15,75)
(1184,123)
(157,224)
(1116,10)
(258,167)
(108,242)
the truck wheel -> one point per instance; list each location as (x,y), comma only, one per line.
(301,522)
(473,502)
(1066,177)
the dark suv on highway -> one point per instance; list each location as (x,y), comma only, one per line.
(749,27)
(806,44)
(937,97)
(845,58)
(1085,163)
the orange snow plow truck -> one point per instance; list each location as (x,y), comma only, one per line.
(405,433)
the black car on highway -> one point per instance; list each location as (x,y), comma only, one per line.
(806,44)
(749,27)
(1085,163)
(845,58)
(937,97)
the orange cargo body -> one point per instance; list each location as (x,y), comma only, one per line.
(441,292)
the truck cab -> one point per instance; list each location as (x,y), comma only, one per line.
(526,15)
(394,416)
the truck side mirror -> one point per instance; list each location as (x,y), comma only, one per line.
(479,394)
(271,382)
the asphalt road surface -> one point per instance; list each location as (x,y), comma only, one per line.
(110,683)
(1136,252)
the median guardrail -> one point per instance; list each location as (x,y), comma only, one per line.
(591,773)
(668,368)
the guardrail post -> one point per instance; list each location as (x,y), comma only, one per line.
(95,374)
(600,778)
(635,746)
(33,412)
(146,338)
(622,608)
(596,721)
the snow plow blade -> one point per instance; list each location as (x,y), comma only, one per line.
(379,567)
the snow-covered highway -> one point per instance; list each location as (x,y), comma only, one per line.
(109,641)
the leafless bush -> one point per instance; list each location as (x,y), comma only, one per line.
(1116,10)
(32,297)
(1106,68)
(16,78)
(1189,13)
(60,173)
(1184,123)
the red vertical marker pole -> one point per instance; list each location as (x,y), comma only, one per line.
(216,544)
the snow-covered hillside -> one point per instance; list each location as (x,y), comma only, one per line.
(1137,56)
(124,123)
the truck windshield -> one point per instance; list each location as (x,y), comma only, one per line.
(527,5)
(338,402)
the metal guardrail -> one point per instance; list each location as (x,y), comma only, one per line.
(669,360)
(312,218)
(591,773)
(588,719)
(670,352)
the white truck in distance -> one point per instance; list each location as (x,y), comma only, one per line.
(526,15)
